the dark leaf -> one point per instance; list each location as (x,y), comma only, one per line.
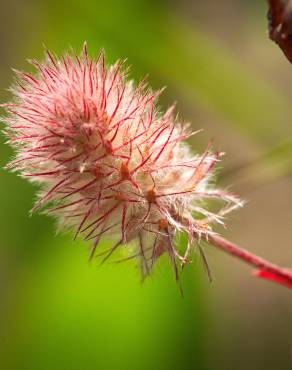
(280,25)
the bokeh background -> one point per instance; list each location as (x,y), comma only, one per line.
(59,312)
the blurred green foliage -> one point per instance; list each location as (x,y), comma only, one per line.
(80,316)
(156,40)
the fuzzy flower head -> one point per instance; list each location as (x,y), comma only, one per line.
(109,163)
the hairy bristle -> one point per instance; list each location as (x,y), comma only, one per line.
(108,161)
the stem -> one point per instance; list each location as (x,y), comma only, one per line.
(266,269)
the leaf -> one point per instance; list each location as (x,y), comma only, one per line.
(272,277)
(280,25)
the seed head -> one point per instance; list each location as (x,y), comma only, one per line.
(109,163)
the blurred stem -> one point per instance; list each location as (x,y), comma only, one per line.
(265,269)
(278,157)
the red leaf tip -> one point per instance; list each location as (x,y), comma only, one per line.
(274,277)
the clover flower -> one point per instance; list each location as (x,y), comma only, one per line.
(109,162)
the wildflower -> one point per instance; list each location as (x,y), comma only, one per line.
(109,163)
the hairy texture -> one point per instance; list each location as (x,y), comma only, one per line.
(110,164)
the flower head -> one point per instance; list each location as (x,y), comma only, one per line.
(108,161)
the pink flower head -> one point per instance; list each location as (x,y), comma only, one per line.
(109,163)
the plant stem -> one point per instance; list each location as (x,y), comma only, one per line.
(266,269)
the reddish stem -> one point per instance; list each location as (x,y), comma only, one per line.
(265,269)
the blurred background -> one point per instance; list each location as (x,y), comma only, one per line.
(57,311)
